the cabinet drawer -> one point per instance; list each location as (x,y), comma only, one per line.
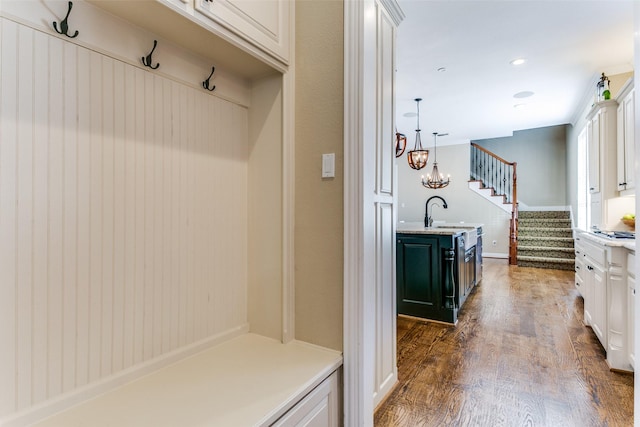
(597,253)
(320,408)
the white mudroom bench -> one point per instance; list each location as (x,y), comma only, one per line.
(250,380)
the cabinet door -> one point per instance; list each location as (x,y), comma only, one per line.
(479,260)
(593,135)
(470,267)
(587,294)
(631,318)
(599,315)
(265,23)
(620,149)
(629,142)
(417,272)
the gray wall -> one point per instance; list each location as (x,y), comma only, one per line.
(541,155)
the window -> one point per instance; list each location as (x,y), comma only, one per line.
(583,214)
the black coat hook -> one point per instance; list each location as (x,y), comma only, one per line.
(64,26)
(147,60)
(206,83)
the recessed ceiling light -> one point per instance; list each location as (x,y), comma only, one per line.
(518,61)
(523,94)
(442,69)
(519,106)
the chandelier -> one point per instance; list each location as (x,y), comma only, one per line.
(436,179)
(417,157)
(401,143)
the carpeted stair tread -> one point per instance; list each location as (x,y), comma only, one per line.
(547,221)
(546,252)
(545,231)
(563,229)
(546,259)
(571,250)
(552,264)
(544,214)
(552,241)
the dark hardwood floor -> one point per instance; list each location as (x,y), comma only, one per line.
(519,356)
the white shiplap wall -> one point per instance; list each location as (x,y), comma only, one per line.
(123,216)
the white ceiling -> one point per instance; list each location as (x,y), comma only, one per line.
(567,44)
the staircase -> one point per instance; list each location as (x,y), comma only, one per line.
(545,240)
(495,179)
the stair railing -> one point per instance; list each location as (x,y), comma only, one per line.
(500,175)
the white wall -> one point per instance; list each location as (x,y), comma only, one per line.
(124,200)
(464,204)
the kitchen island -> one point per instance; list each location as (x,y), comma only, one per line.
(436,268)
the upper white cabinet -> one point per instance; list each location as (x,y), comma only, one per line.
(593,141)
(601,135)
(250,38)
(625,140)
(264,23)
(601,142)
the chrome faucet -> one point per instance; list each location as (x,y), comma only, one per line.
(428,220)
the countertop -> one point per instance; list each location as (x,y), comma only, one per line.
(439,228)
(629,244)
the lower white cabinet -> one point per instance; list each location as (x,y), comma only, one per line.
(599,319)
(320,408)
(631,306)
(602,278)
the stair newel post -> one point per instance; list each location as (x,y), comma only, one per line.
(513,243)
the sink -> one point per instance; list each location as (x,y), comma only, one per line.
(470,233)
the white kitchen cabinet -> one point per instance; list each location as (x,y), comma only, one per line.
(599,316)
(589,277)
(601,266)
(631,306)
(602,147)
(320,408)
(593,142)
(264,23)
(625,140)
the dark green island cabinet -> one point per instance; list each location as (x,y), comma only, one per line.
(435,273)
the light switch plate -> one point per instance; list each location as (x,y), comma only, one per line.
(329,165)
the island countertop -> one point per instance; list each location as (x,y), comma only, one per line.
(438,228)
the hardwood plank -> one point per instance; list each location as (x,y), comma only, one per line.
(519,355)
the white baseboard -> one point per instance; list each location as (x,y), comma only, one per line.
(66,401)
(495,255)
